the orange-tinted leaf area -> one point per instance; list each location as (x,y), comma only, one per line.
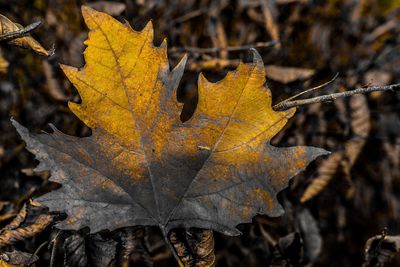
(142,165)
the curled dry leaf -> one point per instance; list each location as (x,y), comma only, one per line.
(381,249)
(16,222)
(7,26)
(88,250)
(325,173)
(8,237)
(133,246)
(17,258)
(142,165)
(195,247)
(3,64)
(289,251)
(312,240)
(53,87)
(360,126)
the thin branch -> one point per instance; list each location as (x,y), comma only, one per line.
(284,105)
(200,50)
(20,33)
(312,89)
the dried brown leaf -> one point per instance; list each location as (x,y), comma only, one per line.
(287,75)
(16,222)
(9,237)
(325,174)
(195,247)
(7,26)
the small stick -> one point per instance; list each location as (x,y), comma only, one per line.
(312,89)
(20,33)
(284,105)
(200,50)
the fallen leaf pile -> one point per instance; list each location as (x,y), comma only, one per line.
(142,165)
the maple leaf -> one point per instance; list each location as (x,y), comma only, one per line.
(142,165)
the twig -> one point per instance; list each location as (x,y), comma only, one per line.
(312,89)
(20,33)
(284,105)
(200,50)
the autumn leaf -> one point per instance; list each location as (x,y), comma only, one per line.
(142,165)
(7,26)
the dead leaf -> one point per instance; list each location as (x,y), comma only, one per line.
(53,87)
(133,247)
(89,250)
(360,126)
(17,258)
(326,171)
(195,247)
(24,226)
(381,249)
(289,251)
(142,165)
(16,222)
(287,75)
(312,239)
(27,41)
(270,13)
(109,7)
(3,63)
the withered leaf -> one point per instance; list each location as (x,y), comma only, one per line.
(288,74)
(88,250)
(380,250)
(142,165)
(17,258)
(7,26)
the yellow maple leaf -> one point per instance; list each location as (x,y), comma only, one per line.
(142,165)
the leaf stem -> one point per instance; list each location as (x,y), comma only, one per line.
(287,104)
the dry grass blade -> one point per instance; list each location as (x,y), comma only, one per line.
(325,173)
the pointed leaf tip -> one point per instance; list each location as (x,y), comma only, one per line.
(257,59)
(86,10)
